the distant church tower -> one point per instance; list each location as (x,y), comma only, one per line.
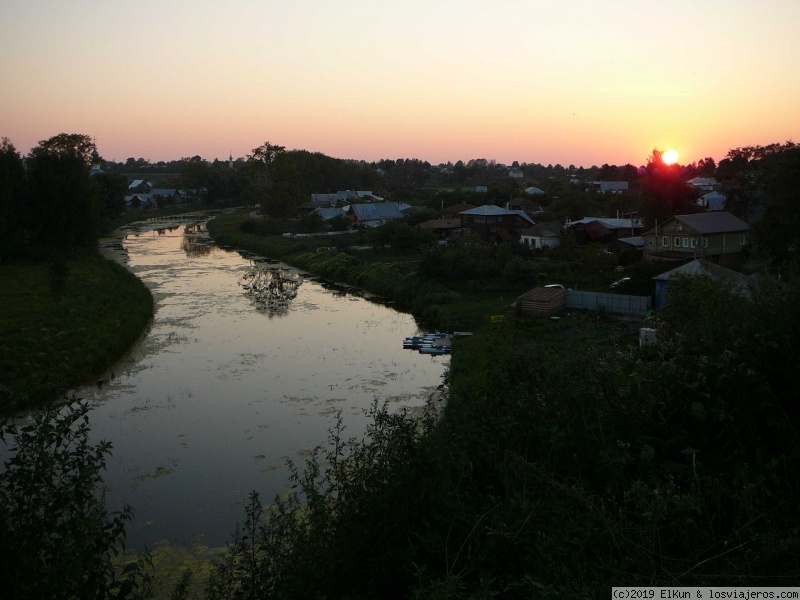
(230,160)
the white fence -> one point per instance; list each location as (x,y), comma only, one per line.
(613,303)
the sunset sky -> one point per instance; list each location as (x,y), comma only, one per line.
(573,82)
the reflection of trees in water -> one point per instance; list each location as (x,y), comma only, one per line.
(164,230)
(272,290)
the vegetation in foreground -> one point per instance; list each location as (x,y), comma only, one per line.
(57,540)
(567,462)
(565,466)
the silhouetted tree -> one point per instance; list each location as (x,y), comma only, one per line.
(259,173)
(64,199)
(666,193)
(113,187)
(12,199)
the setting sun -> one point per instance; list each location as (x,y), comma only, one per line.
(669,157)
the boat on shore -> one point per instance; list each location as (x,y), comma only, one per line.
(435,350)
(429,343)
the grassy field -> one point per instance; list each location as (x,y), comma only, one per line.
(63,323)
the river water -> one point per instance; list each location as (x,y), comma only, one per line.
(226,385)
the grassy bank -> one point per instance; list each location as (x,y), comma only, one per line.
(63,323)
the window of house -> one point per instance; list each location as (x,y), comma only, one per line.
(677,242)
(665,241)
(686,242)
(705,242)
(743,240)
(694,242)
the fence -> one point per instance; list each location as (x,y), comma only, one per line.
(613,303)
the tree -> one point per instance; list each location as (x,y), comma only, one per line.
(287,188)
(666,192)
(112,189)
(259,173)
(12,199)
(706,167)
(69,144)
(65,200)
(196,174)
(503,191)
(778,229)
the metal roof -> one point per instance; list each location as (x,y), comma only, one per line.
(488,210)
(374,212)
(607,186)
(713,222)
(524,215)
(492,210)
(707,269)
(609,223)
(329,213)
(703,181)
(533,190)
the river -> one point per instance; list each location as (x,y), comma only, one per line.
(226,386)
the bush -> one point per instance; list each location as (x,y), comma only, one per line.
(342,531)
(57,539)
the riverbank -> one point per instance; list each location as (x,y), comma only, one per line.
(64,323)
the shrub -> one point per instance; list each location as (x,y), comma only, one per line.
(57,539)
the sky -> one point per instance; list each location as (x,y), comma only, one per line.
(566,82)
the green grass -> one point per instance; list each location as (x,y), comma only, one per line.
(62,324)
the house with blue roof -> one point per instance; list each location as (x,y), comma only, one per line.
(374,215)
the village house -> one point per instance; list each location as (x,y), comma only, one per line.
(713,201)
(733,281)
(140,186)
(717,236)
(374,215)
(610,187)
(706,184)
(534,191)
(323,200)
(491,223)
(541,235)
(443,229)
(602,230)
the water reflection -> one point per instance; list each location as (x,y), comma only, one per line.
(195,240)
(215,398)
(271,290)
